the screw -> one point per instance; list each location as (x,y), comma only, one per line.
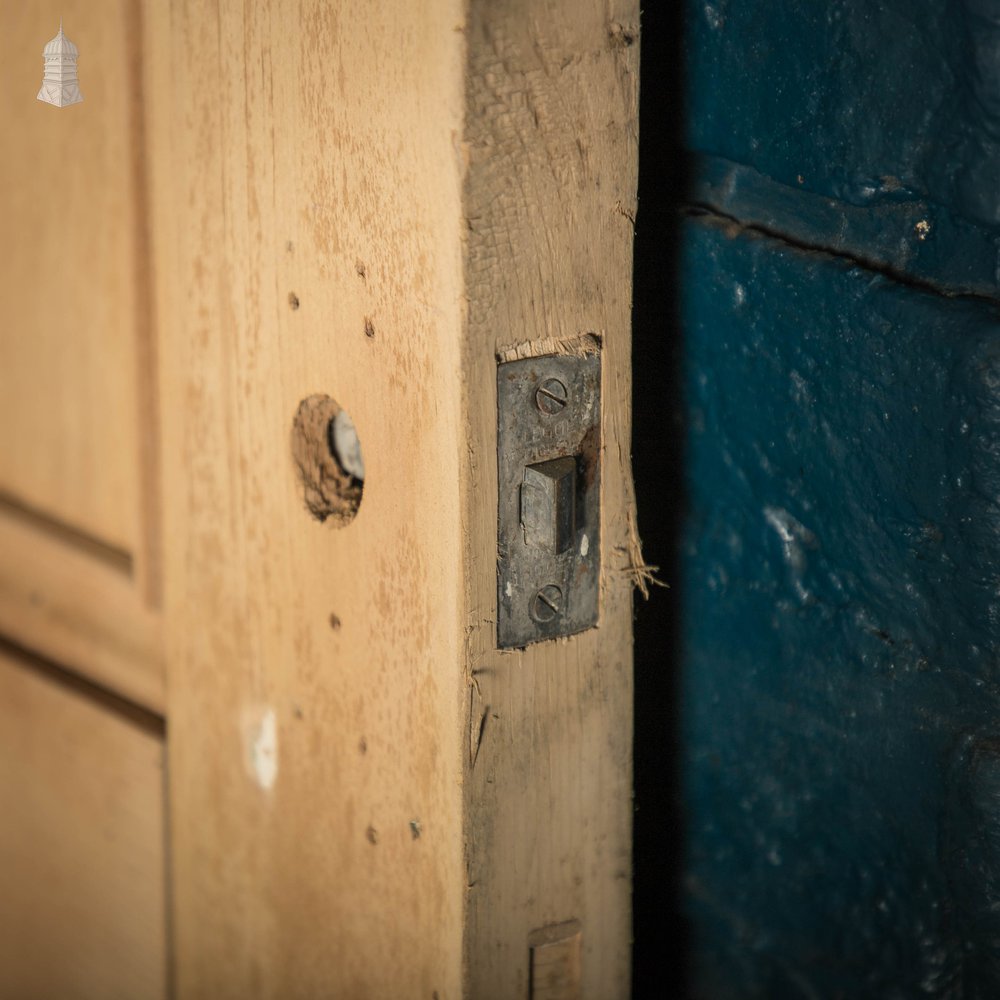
(550,397)
(547,605)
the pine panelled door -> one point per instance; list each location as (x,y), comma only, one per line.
(259,736)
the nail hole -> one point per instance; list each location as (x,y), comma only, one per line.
(369,328)
(293,300)
(622,36)
(362,271)
(327,452)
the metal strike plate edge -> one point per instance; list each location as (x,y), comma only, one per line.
(548,524)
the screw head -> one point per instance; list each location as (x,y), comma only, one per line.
(551,396)
(546,605)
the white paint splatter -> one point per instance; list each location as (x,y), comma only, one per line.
(584,546)
(795,539)
(714,18)
(261,740)
(508,590)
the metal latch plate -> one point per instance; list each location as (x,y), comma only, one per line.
(549,447)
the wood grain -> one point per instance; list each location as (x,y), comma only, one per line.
(549,197)
(556,972)
(366,798)
(79,606)
(82,876)
(314,673)
(79,463)
(72,279)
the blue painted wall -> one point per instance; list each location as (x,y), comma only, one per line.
(842,615)
(864,101)
(836,602)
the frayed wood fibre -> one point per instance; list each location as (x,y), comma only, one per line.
(576,347)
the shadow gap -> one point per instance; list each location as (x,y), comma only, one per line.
(659,926)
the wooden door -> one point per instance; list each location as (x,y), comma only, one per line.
(258,738)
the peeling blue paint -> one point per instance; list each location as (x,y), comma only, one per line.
(842,627)
(840,557)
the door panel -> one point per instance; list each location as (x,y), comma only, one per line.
(68,406)
(78,458)
(75,605)
(82,846)
(82,861)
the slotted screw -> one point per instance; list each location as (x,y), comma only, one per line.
(551,396)
(547,604)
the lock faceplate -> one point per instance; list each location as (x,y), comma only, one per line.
(549,517)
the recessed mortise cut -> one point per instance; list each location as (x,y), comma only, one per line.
(548,504)
(327,453)
(556,962)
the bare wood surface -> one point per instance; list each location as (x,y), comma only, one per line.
(314,672)
(78,605)
(366,798)
(82,876)
(374,209)
(73,275)
(549,197)
(79,494)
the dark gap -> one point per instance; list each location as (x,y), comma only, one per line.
(141,717)
(659,927)
(37,520)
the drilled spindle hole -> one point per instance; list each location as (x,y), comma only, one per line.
(327,453)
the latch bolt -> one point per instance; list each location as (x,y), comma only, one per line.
(548,504)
